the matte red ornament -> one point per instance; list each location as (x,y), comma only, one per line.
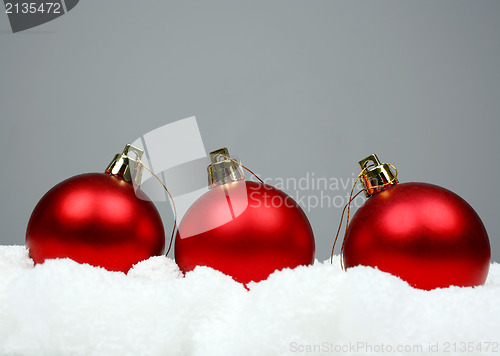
(244,229)
(423,233)
(97,218)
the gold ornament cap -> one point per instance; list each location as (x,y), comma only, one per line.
(126,167)
(222,169)
(376,176)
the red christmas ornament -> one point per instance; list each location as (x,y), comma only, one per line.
(246,230)
(425,234)
(98,218)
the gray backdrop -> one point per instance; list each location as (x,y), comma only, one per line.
(289,86)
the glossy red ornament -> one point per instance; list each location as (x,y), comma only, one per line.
(423,233)
(244,229)
(96,218)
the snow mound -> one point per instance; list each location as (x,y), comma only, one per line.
(65,308)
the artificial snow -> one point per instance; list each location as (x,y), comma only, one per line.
(65,308)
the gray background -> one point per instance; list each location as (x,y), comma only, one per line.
(289,86)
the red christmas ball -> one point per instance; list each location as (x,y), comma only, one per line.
(246,230)
(95,218)
(425,234)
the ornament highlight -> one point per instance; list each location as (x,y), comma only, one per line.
(244,229)
(98,218)
(423,233)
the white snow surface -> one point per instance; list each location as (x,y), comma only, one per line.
(65,308)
